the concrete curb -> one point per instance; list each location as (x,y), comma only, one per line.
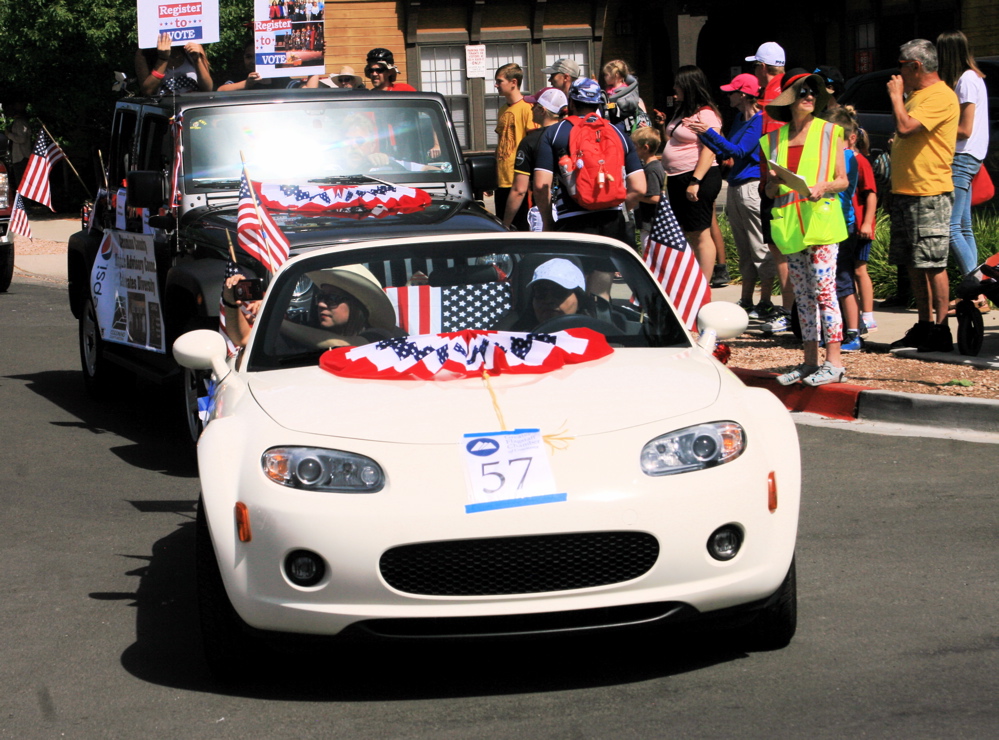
(845,401)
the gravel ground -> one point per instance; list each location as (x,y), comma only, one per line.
(780,352)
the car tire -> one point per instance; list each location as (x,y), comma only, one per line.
(6,266)
(99,374)
(774,626)
(223,633)
(970,328)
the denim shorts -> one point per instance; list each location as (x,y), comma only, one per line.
(920,230)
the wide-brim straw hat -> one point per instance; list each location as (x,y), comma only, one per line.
(780,108)
(360,283)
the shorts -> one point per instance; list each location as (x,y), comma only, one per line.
(920,230)
(690,215)
(845,257)
(610,223)
(863,250)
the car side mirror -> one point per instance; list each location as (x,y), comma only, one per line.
(202,349)
(146,189)
(719,320)
(482,173)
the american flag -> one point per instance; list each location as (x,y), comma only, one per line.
(674,265)
(230,270)
(426,309)
(19,218)
(35,183)
(264,241)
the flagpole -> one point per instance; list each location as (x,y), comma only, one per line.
(66,157)
(232,252)
(260,219)
(104,172)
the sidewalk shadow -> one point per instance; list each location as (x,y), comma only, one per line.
(156,444)
(167,649)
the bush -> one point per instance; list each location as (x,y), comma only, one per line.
(985,224)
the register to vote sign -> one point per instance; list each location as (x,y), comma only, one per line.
(196,21)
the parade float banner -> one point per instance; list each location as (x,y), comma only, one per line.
(125,291)
(289,38)
(196,21)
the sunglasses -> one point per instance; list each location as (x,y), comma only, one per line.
(805,92)
(332,298)
(345,80)
(372,71)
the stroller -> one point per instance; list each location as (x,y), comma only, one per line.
(970,324)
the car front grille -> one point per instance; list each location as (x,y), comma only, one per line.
(519,565)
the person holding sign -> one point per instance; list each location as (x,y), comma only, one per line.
(172,69)
(254,81)
(808,228)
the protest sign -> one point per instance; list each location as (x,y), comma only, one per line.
(289,38)
(196,20)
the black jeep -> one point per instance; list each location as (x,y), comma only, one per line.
(152,261)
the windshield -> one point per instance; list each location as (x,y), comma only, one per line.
(351,298)
(327,141)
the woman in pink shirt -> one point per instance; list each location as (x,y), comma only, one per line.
(693,179)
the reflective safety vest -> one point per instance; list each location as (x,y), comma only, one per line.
(798,222)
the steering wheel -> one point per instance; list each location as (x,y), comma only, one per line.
(576,321)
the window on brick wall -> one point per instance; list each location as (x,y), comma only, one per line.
(442,70)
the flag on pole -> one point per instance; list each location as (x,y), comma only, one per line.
(19,218)
(256,231)
(674,265)
(176,126)
(35,183)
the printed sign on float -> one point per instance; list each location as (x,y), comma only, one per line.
(196,20)
(125,291)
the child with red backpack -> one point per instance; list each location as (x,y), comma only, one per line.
(597,167)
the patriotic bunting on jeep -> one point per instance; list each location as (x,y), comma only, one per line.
(312,198)
(465,354)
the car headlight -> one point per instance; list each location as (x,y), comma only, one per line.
(693,448)
(315,469)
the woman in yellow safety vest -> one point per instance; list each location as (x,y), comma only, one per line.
(808,222)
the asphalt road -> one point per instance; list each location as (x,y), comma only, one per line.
(897,571)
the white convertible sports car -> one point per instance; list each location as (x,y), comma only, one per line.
(490,435)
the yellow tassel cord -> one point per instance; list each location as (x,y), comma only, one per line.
(557,441)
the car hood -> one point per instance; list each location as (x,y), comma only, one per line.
(629,388)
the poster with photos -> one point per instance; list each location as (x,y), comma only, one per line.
(289,38)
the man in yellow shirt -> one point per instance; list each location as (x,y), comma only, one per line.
(926,114)
(512,124)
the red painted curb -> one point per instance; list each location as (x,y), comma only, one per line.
(834,401)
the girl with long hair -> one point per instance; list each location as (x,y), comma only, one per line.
(958,69)
(693,178)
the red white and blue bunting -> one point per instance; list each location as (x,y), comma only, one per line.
(465,354)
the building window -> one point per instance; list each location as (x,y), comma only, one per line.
(442,70)
(578,51)
(496,56)
(866,48)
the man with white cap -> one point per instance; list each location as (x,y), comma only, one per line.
(547,107)
(562,73)
(769,62)
(585,98)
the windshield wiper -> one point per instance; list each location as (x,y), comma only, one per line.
(219,183)
(349,180)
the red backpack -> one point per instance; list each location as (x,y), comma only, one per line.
(593,168)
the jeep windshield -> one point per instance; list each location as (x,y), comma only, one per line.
(326,141)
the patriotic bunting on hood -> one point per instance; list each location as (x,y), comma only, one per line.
(375,198)
(465,354)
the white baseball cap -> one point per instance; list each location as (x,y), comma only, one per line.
(552,100)
(561,271)
(770,53)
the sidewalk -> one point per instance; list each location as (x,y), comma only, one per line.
(840,401)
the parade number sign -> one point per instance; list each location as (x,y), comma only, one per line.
(289,38)
(507,469)
(125,291)
(197,21)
